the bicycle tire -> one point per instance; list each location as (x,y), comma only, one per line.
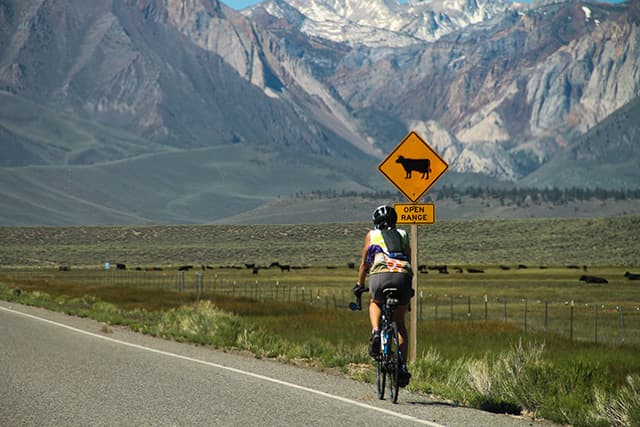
(394,364)
(381,377)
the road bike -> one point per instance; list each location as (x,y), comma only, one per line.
(389,358)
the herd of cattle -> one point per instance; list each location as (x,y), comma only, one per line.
(422,268)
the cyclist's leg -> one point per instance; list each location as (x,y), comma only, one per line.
(398,316)
(376,282)
(374,315)
(375,312)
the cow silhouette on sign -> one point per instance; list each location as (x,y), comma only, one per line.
(418,165)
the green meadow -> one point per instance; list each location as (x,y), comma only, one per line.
(524,336)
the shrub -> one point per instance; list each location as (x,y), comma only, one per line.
(621,408)
(202,323)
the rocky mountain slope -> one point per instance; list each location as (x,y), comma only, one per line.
(501,89)
(187,111)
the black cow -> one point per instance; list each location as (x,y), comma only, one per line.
(440,268)
(285,267)
(593,279)
(121,266)
(185,267)
(475,270)
(632,276)
(418,165)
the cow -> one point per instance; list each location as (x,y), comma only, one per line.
(64,268)
(285,267)
(121,266)
(418,165)
(593,279)
(440,268)
(632,276)
(475,270)
(185,267)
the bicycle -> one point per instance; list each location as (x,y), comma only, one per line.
(389,358)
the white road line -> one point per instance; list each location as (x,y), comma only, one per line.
(239,371)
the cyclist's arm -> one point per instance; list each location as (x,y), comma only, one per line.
(364,266)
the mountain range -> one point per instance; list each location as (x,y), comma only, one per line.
(139,111)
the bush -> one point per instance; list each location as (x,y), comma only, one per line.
(201,323)
(621,408)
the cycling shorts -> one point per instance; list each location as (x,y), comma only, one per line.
(380,281)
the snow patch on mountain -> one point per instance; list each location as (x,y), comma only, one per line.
(383,23)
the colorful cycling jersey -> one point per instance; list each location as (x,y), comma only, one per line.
(382,259)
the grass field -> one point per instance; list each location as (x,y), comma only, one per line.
(512,339)
(533,242)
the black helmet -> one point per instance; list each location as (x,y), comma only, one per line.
(384,216)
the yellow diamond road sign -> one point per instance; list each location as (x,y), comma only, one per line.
(413,167)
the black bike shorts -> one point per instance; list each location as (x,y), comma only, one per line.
(380,281)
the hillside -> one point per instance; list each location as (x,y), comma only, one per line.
(138,111)
(537,242)
(609,151)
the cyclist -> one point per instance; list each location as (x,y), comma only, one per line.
(386,258)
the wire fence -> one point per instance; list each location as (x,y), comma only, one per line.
(574,320)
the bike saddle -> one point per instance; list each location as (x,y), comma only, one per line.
(391,295)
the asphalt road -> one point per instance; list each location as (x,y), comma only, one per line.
(58,370)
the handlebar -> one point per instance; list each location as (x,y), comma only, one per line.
(357,306)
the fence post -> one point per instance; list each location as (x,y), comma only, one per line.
(486,300)
(199,283)
(469,308)
(505,310)
(546,315)
(180,281)
(622,324)
(595,323)
(451,309)
(571,322)
(525,316)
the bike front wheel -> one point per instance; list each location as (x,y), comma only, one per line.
(393,366)
(381,376)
